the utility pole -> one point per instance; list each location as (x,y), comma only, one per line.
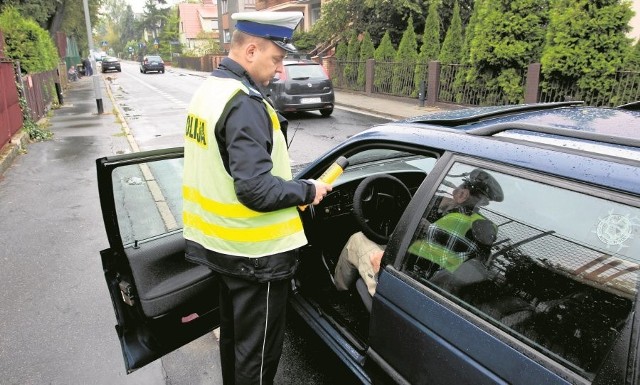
(95,76)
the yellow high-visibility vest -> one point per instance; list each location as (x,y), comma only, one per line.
(212,214)
(455,224)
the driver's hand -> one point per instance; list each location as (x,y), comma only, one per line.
(376,258)
(322,189)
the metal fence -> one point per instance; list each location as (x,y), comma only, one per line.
(625,88)
(346,75)
(40,92)
(455,83)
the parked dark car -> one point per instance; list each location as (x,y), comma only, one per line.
(303,86)
(110,63)
(552,301)
(152,63)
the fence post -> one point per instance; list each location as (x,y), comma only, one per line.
(533,83)
(368,79)
(433,84)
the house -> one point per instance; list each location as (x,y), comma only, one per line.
(225,9)
(198,24)
(309,8)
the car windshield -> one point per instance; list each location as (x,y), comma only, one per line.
(305,71)
(154,58)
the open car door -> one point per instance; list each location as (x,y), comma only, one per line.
(161,301)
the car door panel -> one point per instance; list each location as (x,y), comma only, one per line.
(525,313)
(161,300)
(164,281)
(431,337)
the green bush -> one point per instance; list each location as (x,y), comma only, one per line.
(385,53)
(353,51)
(27,42)
(366,52)
(406,59)
(430,45)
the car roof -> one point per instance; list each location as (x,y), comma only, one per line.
(299,61)
(619,122)
(540,142)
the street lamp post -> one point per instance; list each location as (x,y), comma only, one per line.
(95,76)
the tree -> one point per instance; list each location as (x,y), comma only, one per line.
(57,15)
(406,59)
(304,41)
(338,18)
(117,26)
(27,42)
(153,19)
(351,68)
(40,11)
(170,33)
(342,51)
(585,44)
(451,51)
(430,44)
(507,37)
(384,54)
(632,61)
(367,51)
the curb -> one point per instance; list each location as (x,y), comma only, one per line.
(368,111)
(11,150)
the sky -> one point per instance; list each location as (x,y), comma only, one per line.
(138,5)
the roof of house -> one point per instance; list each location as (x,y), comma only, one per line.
(190,15)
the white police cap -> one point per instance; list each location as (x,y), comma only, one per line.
(275,26)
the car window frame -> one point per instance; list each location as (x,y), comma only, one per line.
(105,167)
(395,253)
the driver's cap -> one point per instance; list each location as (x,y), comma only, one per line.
(480,181)
(275,26)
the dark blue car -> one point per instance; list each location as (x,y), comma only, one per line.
(551,300)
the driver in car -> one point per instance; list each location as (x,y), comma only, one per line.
(456,233)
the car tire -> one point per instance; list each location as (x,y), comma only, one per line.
(326,112)
(119,69)
(162,71)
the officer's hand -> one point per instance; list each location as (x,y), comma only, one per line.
(321,190)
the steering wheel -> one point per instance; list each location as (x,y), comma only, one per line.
(378,203)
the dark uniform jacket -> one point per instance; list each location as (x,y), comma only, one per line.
(245,138)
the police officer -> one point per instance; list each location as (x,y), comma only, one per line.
(458,232)
(240,215)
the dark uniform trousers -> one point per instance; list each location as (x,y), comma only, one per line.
(252,324)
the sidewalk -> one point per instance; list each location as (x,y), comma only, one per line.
(383,105)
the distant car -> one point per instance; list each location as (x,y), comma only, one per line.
(111,63)
(152,63)
(303,86)
(550,297)
(99,56)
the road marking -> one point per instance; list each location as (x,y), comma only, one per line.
(168,219)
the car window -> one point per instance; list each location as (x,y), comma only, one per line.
(154,58)
(311,71)
(554,267)
(148,199)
